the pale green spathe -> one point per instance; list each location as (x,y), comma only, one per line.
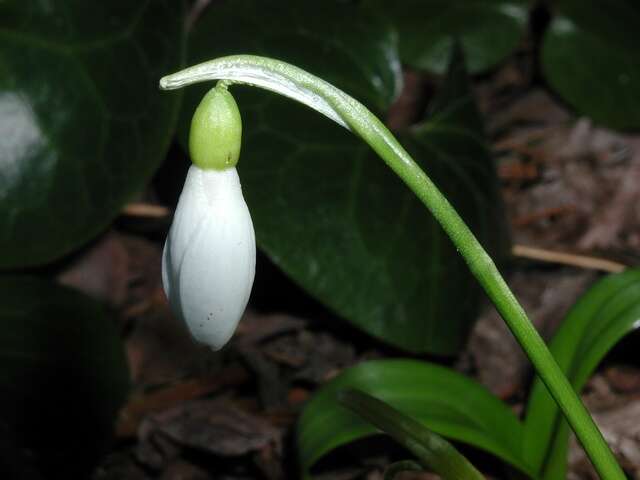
(216,131)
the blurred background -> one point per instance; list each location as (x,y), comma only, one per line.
(525,113)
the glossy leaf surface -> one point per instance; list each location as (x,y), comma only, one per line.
(63,376)
(590,57)
(488,30)
(607,312)
(325,208)
(82,123)
(434,451)
(444,401)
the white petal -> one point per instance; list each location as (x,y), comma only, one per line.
(209,257)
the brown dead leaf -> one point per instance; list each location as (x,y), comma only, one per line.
(216,426)
(620,212)
(624,379)
(256,328)
(182,470)
(618,417)
(408,107)
(101,271)
(534,108)
(143,404)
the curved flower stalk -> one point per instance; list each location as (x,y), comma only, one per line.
(320,95)
(208,262)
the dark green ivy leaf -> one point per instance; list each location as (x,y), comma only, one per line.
(590,57)
(82,123)
(489,30)
(63,377)
(326,209)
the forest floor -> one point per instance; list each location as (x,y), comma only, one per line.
(571,192)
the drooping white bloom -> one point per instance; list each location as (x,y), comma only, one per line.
(209,257)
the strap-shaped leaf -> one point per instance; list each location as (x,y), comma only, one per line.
(400,467)
(446,402)
(607,312)
(432,450)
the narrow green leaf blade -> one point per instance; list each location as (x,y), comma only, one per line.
(432,450)
(590,57)
(442,400)
(607,312)
(82,124)
(63,375)
(397,468)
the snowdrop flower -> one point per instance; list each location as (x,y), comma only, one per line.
(209,256)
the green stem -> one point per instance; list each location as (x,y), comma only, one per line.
(314,92)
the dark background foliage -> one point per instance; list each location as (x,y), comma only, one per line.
(531,126)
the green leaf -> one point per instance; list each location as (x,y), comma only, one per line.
(441,399)
(590,57)
(432,450)
(353,47)
(325,208)
(82,123)
(401,466)
(607,312)
(489,30)
(63,375)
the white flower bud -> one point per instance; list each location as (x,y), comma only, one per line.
(209,258)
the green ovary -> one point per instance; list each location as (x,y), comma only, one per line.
(216,131)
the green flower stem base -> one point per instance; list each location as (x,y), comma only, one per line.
(314,92)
